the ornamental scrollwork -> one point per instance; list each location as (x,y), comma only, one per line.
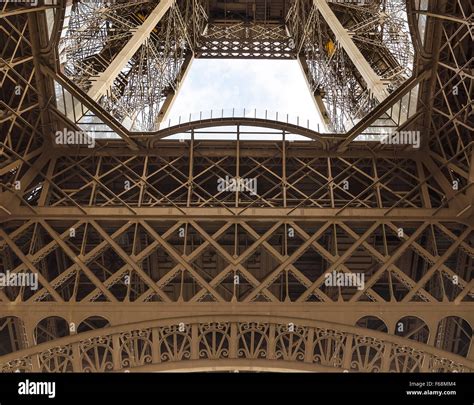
(96,354)
(136,348)
(253,340)
(174,343)
(214,340)
(56,360)
(290,342)
(367,354)
(328,347)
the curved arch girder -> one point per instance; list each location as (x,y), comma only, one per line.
(289,128)
(244,342)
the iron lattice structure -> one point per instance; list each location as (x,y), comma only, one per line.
(143,264)
(209,29)
(379,30)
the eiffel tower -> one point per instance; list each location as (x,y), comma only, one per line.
(349,248)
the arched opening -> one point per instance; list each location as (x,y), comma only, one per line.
(12,335)
(373,323)
(454,335)
(93,323)
(411,327)
(51,328)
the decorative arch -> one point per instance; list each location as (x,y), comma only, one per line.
(242,342)
(277,125)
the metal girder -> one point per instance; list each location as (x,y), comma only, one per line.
(82,103)
(192,171)
(132,59)
(449,120)
(198,256)
(376,34)
(374,82)
(383,107)
(363,214)
(315,95)
(171,97)
(247,40)
(326,311)
(103,82)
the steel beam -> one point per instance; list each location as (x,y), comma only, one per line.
(317,98)
(342,312)
(173,94)
(355,214)
(373,81)
(107,77)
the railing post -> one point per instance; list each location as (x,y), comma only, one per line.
(347,357)
(35,363)
(116,352)
(76,358)
(233,343)
(308,353)
(194,341)
(155,346)
(271,352)
(386,357)
(425,363)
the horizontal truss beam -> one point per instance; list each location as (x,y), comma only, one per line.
(429,215)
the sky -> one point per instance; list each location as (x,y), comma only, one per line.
(273,85)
